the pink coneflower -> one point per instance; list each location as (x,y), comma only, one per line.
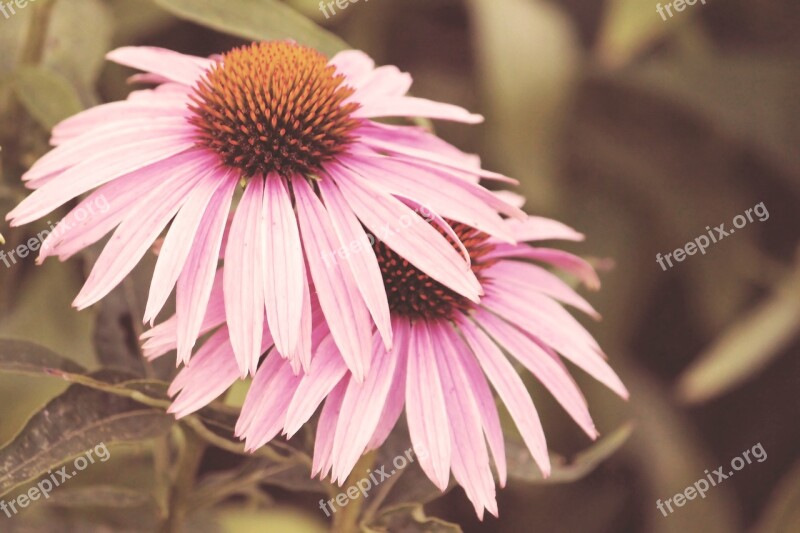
(297,131)
(446,346)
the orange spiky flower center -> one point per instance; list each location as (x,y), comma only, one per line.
(274,107)
(414,294)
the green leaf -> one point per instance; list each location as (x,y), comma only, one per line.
(76,49)
(747,347)
(527,99)
(69,425)
(521,466)
(256,20)
(47,96)
(22,357)
(409,519)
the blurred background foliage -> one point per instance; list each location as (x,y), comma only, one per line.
(638,131)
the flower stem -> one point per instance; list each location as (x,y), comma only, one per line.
(189,461)
(347,518)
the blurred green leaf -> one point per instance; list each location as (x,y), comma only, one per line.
(75,49)
(409,519)
(47,96)
(69,425)
(521,466)
(259,20)
(527,98)
(628,27)
(747,347)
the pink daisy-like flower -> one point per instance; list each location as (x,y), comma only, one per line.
(447,351)
(299,133)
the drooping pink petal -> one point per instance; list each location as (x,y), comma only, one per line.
(107,206)
(566,261)
(409,106)
(448,196)
(543,366)
(424,156)
(408,234)
(476,381)
(134,236)
(197,278)
(426,411)
(511,390)
(243,278)
(265,405)
(359,254)
(107,137)
(121,113)
(361,410)
(344,308)
(211,372)
(527,278)
(470,458)
(395,402)
(174,66)
(283,266)
(178,242)
(164,337)
(534,228)
(326,371)
(323,445)
(273,394)
(300,358)
(96,171)
(542,326)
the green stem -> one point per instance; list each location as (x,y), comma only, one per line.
(347,518)
(184,481)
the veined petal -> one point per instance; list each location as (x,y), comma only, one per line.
(174,66)
(243,278)
(543,366)
(361,410)
(426,410)
(408,234)
(177,243)
(511,390)
(197,278)
(359,254)
(341,302)
(283,266)
(96,171)
(470,458)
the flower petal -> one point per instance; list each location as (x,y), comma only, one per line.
(243,278)
(283,266)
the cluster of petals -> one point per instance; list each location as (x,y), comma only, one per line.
(440,373)
(301,303)
(141,157)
